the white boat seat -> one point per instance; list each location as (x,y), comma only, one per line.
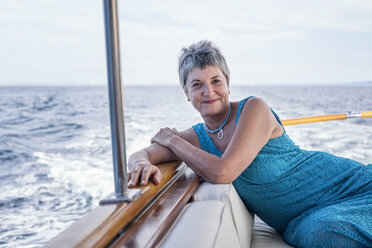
(217,217)
(203,224)
(242,218)
(265,236)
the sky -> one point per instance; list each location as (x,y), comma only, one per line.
(50,42)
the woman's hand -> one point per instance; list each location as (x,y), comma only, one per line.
(142,171)
(164,136)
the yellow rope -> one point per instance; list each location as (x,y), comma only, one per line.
(326,118)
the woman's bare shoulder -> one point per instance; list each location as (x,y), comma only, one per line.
(257,110)
(257,101)
(255,106)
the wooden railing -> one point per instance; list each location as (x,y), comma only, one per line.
(128,224)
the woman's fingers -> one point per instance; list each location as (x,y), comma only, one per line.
(175,131)
(134,176)
(156,176)
(146,172)
(150,171)
(163,136)
(142,174)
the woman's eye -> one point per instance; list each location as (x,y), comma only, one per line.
(196,84)
(216,81)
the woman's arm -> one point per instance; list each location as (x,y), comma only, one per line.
(255,127)
(142,163)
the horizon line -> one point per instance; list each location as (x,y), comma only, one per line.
(14,84)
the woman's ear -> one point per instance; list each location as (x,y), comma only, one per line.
(228,85)
(186,92)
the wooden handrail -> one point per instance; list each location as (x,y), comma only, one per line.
(155,223)
(100,226)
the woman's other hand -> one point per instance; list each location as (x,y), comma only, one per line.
(164,136)
(142,171)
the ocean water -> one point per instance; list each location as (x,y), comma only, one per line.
(55,145)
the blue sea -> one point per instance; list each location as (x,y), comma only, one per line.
(55,144)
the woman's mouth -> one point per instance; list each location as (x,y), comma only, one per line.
(210,101)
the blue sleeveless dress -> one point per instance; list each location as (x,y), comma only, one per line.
(313,199)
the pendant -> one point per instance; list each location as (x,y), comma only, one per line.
(220,134)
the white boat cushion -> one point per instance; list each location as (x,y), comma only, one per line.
(243,219)
(265,236)
(203,224)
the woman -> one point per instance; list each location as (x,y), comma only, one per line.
(313,199)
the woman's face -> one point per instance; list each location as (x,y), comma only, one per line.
(207,90)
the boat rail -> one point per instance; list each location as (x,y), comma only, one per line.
(149,217)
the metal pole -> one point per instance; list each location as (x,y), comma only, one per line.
(122,193)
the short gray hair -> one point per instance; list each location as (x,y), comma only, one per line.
(199,55)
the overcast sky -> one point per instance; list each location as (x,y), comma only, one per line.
(50,42)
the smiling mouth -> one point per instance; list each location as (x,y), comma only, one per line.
(210,101)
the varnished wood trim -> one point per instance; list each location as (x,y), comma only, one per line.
(101,225)
(155,223)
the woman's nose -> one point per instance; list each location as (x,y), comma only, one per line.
(207,89)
